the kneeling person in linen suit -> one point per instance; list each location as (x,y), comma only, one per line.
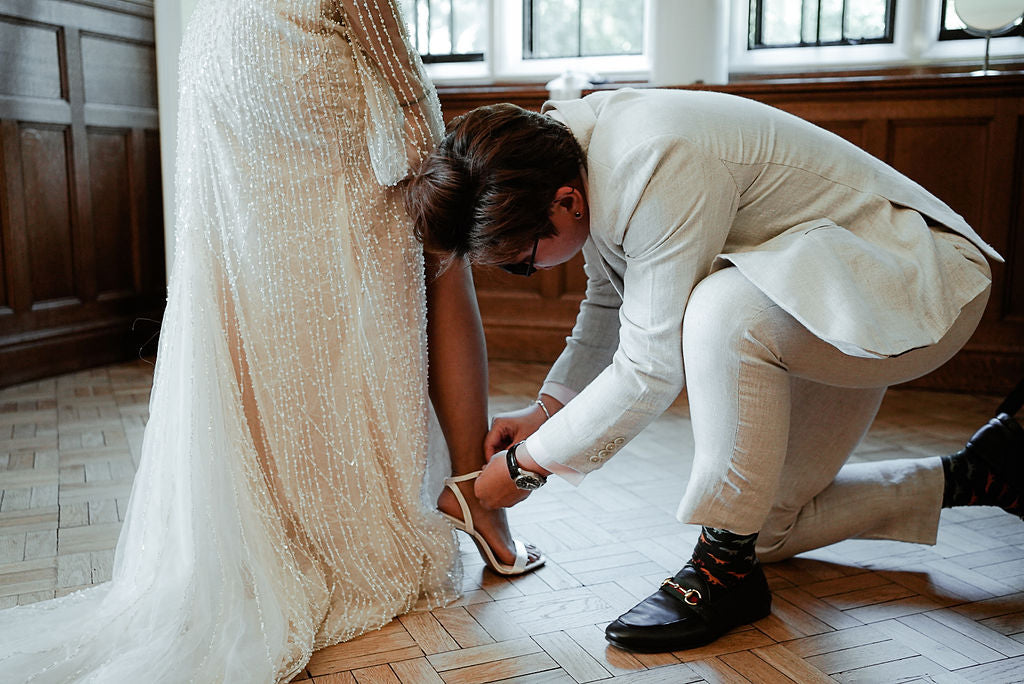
(789,274)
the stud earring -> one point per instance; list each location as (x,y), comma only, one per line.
(579,214)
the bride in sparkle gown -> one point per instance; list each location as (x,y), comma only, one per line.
(280,503)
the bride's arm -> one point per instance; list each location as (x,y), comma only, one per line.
(375,26)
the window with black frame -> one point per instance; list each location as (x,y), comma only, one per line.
(582,28)
(815,23)
(952,28)
(447,30)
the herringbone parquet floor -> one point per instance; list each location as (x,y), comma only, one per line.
(859,611)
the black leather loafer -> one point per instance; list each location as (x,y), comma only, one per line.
(1000,444)
(686,612)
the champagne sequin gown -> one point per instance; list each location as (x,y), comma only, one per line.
(279,505)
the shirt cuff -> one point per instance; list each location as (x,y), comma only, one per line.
(539,454)
(560,392)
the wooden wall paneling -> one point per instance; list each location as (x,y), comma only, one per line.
(116,244)
(5,240)
(48,216)
(12,203)
(1014,250)
(85,247)
(529,318)
(970,166)
(81,229)
(152,271)
(92,16)
(999,197)
(118,72)
(5,305)
(876,137)
(854,131)
(138,179)
(947,156)
(142,8)
(30,58)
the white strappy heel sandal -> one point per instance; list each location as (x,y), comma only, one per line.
(522,565)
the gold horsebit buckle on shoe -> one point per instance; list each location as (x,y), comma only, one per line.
(687,594)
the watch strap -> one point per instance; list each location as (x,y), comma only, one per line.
(510,460)
(517,473)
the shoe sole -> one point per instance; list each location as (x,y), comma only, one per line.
(654,649)
(640,648)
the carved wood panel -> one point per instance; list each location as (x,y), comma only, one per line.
(45,182)
(956,149)
(81,246)
(108,165)
(961,137)
(1015,246)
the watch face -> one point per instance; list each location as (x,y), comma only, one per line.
(525,481)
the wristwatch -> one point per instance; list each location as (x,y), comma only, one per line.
(524,479)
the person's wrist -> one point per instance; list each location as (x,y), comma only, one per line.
(526,462)
(552,405)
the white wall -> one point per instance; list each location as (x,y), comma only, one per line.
(171,17)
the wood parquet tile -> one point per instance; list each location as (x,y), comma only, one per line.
(858,611)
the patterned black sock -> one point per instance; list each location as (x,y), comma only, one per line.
(970,482)
(724,558)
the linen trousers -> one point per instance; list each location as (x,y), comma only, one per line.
(776,412)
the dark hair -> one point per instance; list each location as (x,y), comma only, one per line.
(484,192)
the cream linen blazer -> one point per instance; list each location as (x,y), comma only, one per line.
(681,183)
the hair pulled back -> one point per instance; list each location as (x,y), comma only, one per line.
(485,191)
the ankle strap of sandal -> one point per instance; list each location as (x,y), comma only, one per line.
(450,483)
(462,478)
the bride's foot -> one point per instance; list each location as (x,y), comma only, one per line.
(488,528)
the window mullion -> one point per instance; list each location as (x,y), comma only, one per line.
(579,28)
(842,23)
(817,25)
(803,17)
(430,24)
(451,25)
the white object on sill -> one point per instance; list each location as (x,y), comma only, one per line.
(568,86)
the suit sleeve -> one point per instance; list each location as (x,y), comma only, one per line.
(679,222)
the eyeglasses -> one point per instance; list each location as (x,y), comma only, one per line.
(523,268)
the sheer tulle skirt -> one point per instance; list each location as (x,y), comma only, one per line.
(280,504)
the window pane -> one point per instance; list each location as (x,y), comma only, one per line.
(408,7)
(865,19)
(555,28)
(778,23)
(952,22)
(781,21)
(447,30)
(440,27)
(831,30)
(422,26)
(612,27)
(809,27)
(469,26)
